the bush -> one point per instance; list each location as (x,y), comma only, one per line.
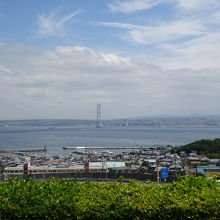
(190,197)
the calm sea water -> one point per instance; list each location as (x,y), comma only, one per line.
(26,136)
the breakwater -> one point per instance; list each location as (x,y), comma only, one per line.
(103,147)
(43,149)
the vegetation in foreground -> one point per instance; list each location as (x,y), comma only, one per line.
(209,148)
(190,197)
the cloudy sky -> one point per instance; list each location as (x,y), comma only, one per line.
(59,58)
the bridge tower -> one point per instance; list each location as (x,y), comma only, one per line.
(98,120)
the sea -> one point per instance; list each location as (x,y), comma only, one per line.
(55,138)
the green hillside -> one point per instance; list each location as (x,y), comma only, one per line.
(210,148)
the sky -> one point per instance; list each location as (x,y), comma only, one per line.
(59,58)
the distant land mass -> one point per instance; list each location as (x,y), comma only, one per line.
(212,120)
(158,120)
(214,116)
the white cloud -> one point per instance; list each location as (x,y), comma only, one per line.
(198,19)
(159,33)
(53,24)
(129,6)
(191,41)
(4,69)
(196,5)
(67,82)
(197,54)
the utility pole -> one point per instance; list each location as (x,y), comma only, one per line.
(158,172)
(175,164)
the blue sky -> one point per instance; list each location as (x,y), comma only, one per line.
(135,57)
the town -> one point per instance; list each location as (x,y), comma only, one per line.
(155,163)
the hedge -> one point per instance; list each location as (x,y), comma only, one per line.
(187,198)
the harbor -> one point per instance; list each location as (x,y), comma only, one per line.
(101,165)
(103,153)
(83,162)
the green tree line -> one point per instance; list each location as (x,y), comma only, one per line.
(210,148)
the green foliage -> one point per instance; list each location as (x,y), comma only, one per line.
(129,164)
(212,155)
(206,147)
(190,197)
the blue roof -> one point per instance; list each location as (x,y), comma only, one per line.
(18,153)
